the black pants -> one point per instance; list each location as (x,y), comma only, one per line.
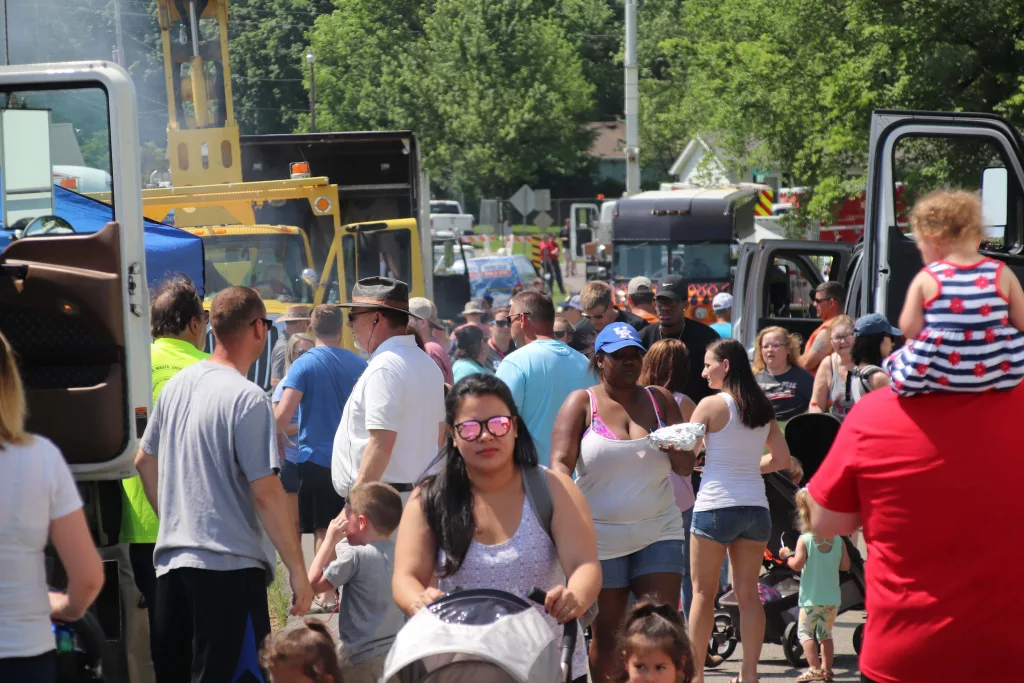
(39,669)
(319,503)
(865,679)
(141,557)
(556,274)
(209,625)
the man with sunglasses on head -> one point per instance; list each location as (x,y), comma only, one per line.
(499,341)
(829,298)
(208,463)
(426,325)
(542,371)
(599,311)
(670,303)
(317,385)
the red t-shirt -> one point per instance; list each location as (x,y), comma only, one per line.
(939,483)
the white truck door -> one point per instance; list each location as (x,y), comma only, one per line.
(75,306)
(913,153)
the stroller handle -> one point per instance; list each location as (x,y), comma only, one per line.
(570,630)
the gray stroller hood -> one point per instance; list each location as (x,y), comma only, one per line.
(477,636)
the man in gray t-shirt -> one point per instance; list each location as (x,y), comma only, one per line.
(208,466)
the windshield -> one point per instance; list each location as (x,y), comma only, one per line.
(272,264)
(707,261)
(443,207)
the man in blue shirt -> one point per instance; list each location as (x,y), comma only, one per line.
(318,384)
(722,306)
(542,371)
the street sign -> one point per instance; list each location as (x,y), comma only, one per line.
(542,200)
(543,221)
(489,212)
(523,200)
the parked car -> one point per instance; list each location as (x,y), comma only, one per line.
(447,215)
(500,276)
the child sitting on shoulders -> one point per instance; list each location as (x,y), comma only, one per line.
(304,654)
(368,618)
(654,644)
(963,311)
(819,560)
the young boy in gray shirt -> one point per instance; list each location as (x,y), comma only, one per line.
(368,618)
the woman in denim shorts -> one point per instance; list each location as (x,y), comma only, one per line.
(731,510)
(601,434)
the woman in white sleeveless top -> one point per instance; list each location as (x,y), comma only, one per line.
(471,525)
(731,510)
(601,434)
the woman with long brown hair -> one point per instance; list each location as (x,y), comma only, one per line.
(731,510)
(40,503)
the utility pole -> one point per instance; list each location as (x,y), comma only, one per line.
(117,32)
(632,103)
(311,59)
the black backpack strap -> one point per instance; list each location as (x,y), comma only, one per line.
(535,483)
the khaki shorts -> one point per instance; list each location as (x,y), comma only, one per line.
(368,671)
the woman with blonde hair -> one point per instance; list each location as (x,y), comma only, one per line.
(39,502)
(831,392)
(778,372)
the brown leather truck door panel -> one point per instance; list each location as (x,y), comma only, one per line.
(60,308)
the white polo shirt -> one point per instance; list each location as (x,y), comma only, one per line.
(401,391)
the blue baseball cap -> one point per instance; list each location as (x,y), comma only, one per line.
(875,323)
(617,336)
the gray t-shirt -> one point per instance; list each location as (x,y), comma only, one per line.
(213,433)
(368,618)
(277,357)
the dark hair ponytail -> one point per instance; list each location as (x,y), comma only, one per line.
(753,406)
(662,625)
(448,495)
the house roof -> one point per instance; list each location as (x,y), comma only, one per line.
(609,140)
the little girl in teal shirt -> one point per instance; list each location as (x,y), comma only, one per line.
(819,561)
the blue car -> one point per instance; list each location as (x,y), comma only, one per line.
(502,277)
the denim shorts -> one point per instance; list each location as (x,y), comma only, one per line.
(725,525)
(658,557)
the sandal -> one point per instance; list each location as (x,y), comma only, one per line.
(321,607)
(828,675)
(812,675)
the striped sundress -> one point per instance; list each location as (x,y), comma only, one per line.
(967,344)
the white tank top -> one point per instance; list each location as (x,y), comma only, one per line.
(627,488)
(732,470)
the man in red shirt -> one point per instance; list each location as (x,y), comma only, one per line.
(938,483)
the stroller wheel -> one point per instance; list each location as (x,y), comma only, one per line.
(791,646)
(858,636)
(723,638)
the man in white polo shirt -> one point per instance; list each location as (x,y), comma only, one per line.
(394,419)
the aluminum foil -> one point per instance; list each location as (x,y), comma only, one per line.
(682,437)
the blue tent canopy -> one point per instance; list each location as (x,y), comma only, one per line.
(168,249)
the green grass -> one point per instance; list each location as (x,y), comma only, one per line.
(279,598)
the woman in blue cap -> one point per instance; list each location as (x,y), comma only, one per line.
(874,338)
(601,435)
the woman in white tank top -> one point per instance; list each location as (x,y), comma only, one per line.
(731,510)
(601,435)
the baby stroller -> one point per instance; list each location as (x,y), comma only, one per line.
(480,636)
(809,438)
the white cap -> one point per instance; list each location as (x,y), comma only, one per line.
(640,285)
(722,301)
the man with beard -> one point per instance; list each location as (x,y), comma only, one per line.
(670,305)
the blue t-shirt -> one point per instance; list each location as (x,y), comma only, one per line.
(291,453)
(325,376)
(541,375)
(724,330)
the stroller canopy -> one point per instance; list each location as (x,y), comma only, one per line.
(478,636)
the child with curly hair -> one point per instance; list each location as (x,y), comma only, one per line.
(305,654)
(964,312)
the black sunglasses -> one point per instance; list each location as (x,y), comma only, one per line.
(561,334)
(823,300)
(267,322)
(510,318)
(471,430)
(501,323)
(352,315)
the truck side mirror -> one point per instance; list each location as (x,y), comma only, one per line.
(993,201)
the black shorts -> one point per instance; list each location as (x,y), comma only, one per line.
(42,668)
(289,475)
(222,613)
(319,503)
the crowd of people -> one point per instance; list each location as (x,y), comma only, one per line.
(412,464)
